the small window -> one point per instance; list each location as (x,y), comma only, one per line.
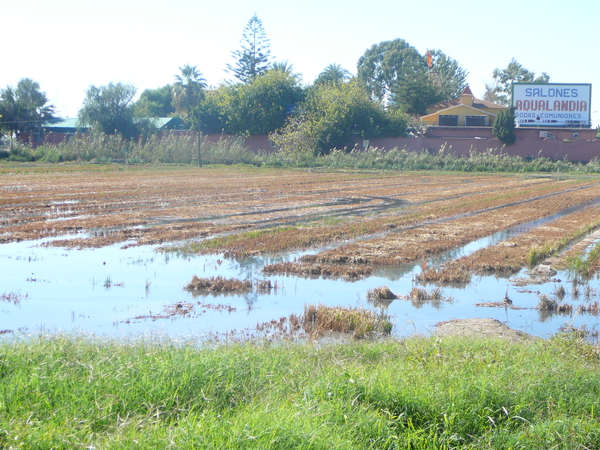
(475,121)
(448,121)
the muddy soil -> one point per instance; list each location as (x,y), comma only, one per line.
(95,206)
(481,328)
(351,223)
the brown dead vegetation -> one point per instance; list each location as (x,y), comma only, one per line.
(381,293)
(336,322)
(388,219)
(418,243)
(510,256)
(104,205)
(318,270)
(218,284)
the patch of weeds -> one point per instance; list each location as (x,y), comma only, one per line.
(538,254)
(559,291)
(361,323)
(590,292)
(13,297)
(449,274)
(218,284)
(381,293)
(592,308)
(585,264)
(349,272)
(266,286)
(420,297)
(548,303)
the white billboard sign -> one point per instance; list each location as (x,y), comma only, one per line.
(551,104)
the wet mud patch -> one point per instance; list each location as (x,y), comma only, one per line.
(540,274)
(481,328)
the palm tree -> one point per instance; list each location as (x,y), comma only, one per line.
(188,92)
(333,73)
(287,68)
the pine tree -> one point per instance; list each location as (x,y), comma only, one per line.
(253,59)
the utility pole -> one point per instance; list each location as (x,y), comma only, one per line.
(199,150)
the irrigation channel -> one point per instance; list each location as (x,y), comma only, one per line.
(79,247)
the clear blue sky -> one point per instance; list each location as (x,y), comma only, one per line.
(68,45)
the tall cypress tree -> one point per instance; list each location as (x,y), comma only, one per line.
(254,58)
(504,126)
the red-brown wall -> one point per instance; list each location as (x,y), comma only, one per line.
(557,143)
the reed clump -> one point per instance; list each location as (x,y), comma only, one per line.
(559,291)
(592,308)
(447,274)
(218,284)
(381,293)
(423,295)
(360,322)
(548,303)
(13,297)
(420,297)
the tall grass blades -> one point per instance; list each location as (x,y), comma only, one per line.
(422,393)
(167,147)
(586,264)
(182,148)
(319,319)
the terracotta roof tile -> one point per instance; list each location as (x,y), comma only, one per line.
(477,103)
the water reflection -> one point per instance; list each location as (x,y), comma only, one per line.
(59,290)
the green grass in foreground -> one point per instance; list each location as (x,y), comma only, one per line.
(67,393)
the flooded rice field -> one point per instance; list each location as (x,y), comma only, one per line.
(110,250)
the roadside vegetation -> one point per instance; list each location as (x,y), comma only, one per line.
(66,392)
(172,148)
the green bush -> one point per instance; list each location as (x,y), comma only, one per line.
(504,126)
(22,154)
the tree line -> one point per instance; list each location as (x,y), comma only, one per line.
(394,84)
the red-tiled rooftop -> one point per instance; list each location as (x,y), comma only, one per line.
(477,102)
